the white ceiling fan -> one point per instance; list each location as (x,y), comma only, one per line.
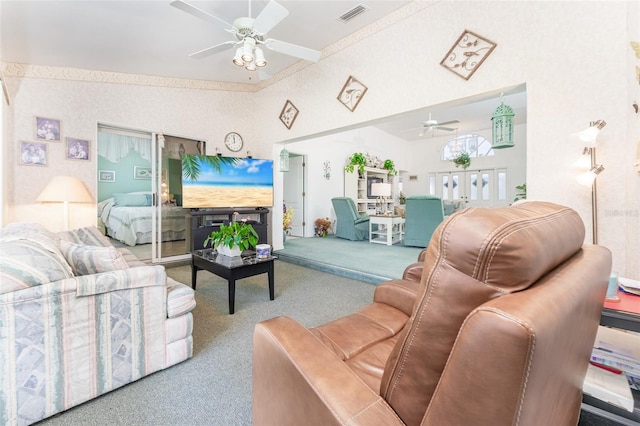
(250,34)
(432,124)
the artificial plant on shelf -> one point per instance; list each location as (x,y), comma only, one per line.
(390,167)
(238,234)
(463,159)
(357,159)
(322,227)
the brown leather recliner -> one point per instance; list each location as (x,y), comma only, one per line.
(498,332)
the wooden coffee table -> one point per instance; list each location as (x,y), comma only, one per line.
(232,269)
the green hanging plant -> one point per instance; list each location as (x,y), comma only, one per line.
(390,167)
(357,159)
(463,160)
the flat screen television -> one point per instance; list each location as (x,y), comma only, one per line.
(210,181)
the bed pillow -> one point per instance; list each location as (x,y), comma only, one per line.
(87,260)
(132,200)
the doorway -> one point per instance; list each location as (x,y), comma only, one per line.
(294,193)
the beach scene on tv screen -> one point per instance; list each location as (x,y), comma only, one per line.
(212,181)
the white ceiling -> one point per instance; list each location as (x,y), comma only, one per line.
(151,37)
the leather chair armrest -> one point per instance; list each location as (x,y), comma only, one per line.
(401,294)
(298,380)
(422,254)
(413,272)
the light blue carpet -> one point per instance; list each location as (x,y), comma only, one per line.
(360,260)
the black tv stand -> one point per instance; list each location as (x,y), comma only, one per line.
(205,221)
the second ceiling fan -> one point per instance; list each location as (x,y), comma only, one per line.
(250,34)
(432,124)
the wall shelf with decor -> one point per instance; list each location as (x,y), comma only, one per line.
(358,188)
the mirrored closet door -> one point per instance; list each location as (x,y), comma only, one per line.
(140,189)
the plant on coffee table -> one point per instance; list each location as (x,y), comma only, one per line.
(237,234)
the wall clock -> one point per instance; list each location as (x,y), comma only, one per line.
(233,141)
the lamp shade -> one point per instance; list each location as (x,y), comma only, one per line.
(381,189)
(590,134)
(587,178)
(65,189)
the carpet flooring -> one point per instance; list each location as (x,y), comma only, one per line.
(214,387)
(361,260)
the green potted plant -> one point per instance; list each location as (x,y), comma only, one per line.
(522,194)
(232,239)
(463,160)
(357,159)
(390,167)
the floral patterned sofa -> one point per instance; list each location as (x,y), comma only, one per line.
(79,318)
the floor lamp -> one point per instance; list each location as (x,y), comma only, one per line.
(65,189)
(589,136)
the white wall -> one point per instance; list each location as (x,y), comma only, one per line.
(576,70)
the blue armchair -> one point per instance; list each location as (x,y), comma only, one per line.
(350,224)
(422,216)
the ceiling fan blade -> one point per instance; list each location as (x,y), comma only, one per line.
(213,49)
(270,16)
(448,122)
(293,50)
(199,13)
(448,129)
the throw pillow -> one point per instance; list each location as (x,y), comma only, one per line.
(89,236)
(132,200)
(25,263)
(87,260)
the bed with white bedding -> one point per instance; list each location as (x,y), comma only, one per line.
(127,218)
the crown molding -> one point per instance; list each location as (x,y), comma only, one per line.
(10,69)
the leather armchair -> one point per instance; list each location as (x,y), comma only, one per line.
(349,223)
(498,331)
(423,214)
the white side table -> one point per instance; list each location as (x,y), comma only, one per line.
(386,229)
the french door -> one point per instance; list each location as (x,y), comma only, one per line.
(471,188)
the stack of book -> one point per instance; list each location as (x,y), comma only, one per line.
(615,367)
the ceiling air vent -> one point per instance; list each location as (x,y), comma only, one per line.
(352,13)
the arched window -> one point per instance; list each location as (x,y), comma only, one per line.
(472,144)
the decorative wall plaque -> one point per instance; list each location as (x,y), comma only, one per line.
(352,93)
(467,54)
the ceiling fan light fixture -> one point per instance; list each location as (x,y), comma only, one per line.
(237,59)
(260,60)
(251,66)
(247,49)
